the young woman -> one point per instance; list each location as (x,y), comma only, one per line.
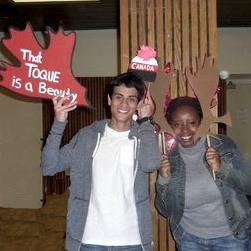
(204,214)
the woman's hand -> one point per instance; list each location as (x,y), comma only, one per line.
(165,166)
(61,109)
(213,159)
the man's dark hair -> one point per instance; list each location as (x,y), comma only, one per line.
(129,79)
(183,101)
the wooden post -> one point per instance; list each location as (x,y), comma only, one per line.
(182,31)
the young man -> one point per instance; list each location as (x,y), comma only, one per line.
(108,205)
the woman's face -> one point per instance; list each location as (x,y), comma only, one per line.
(185,122)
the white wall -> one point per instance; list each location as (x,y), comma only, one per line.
(21,121)
(234,49)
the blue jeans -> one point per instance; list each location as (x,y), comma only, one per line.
(189,242)
(88,247)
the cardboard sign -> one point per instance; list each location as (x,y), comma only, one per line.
(145,64)
(42,72)
(204,83)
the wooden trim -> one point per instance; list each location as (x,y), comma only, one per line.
(124,43)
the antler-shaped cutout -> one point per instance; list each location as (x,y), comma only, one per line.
(204,84)
(159,92)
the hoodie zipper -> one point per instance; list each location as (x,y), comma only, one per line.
(136,153)
(93,154)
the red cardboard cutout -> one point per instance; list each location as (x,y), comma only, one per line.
(42,72)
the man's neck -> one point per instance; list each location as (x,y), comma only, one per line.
(120,127)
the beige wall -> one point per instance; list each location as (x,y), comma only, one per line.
(21,121)
(96,53)
(20,133)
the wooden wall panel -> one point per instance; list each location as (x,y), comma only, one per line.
(142,12)
(185,41)
(211,29)
(124,27)
(167,32)
(194,39)
(133,28)
(182,31)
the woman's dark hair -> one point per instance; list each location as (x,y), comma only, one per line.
(183,101)
(129,79)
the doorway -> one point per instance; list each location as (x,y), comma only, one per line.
(238,97)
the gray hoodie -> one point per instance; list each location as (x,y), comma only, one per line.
(78,156)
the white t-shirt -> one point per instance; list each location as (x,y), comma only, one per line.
(112,217)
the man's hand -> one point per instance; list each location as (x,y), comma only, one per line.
(61,109)
(146,107)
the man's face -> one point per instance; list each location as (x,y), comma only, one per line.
(123,105)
